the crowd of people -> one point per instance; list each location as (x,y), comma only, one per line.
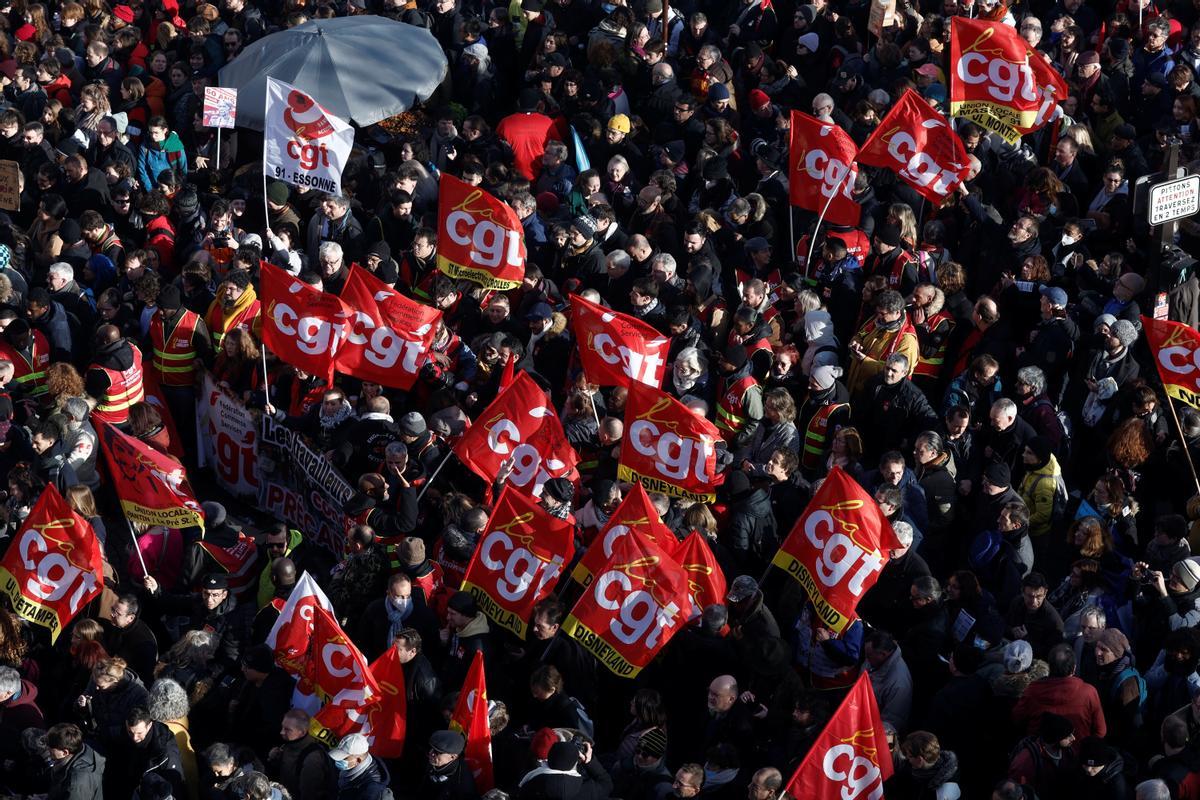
(978,366)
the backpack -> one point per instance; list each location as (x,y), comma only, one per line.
(1119,681)
(1064,423)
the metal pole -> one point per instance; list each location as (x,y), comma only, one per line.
(217,166)
(137,549)
(429,482)
(812,242)
(1186,451)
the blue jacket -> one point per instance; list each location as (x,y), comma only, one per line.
(153,158)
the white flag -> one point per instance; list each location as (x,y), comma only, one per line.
(305,145)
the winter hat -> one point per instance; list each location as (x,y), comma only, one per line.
(652,743)
(1172,526)
(889,235)
(715,169)
(214,514)
(1087,58)
(585,225)
(1054,727)
(718,91)
(735,354)
(619,122)
(169,297)
(1018,656)
(381,249)
(563,756)
(1125,332)
(759,99)
(929,70)
(825,376)
(412,551)
(1186,572)
(756,244)
(124,13)
(737,483)
(998,474)
(809,41)
(412,424)
(69,231)
(277,192)
(464,603)
(541,743)
(984,548)
(559,489)
(1114,640)
(1041,448)
(808,12)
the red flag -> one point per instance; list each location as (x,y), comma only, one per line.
(918,144)
(471,720)
(851,757)
(152,393)
(1176,349)
(521,425)
(303,326)
(389,719)
(480,238)
(667,447)
(617,349)
(637,602)
(390,335)
(336,668)
(822,169)
(706,579)
(837,548)
(518,560)
(153,488)
(506,377)
(999,81)
(53,568)
(637,516)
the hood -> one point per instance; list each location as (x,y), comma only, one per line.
(558,325)
(818,327)
(476,627)
(118,355)
(460,544)
(935,305)
(86,760)
(28,696)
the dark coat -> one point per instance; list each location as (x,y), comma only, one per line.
(593,783)
(366,785)
(136,644)
(81,778)
(304,769)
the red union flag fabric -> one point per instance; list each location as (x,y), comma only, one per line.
(837,548)
(480,238)
(390,335)
(850,759)
(918,144)
(635,516)
(1176,349)
(303,326)
(617,349)
(471,720)
(336,668)
(153,488)
(637,602)
(1000,82)
(822,169)
(53,567)
(667,447)
(519,424)
(518,560)
(706,580)
(389,719)
(292,632)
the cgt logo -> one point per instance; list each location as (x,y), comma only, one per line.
(674,456)
(640,615)
(313,335)
(641,367)
(519,566)
(834,174)
(851,763)
(917,165)
(489,242)
(840,553)
(51,559)
(504,438)
(1177,355)
(383,346)
(339,662)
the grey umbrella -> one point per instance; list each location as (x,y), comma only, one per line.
(363,68)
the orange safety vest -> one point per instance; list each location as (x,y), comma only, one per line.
(816,436)
(931,367)
(237,561)
(731,406)
(124,389)
(29,374)
(174,354)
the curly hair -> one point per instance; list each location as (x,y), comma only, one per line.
(168,701)
(63,380)
(1130,444)
(13,645)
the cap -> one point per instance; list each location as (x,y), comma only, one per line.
(889,235)
(214,580)
(744,587)
(464,603)
(998,474)
(260,658)
(169,297)
(1125,131)
(353,745)
(652,743)
(1056,295)
(757,244)
(1018,656)
(759,99)
(559,489)
(278,193)
(412,424)
(1186,572)
(585,225)
(539,311)
(447,742)
(928,70)
(124,13)
(844,78)
(214,513)
(1087,58)
(619,122)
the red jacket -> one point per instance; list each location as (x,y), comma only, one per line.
(527,135)
(1068,697)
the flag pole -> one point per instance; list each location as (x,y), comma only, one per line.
(217,166)
(266,377)
(1186,451)
(137,548)
(812,242)
(429,482)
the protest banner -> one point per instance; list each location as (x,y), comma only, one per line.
(220,107)
(229,441)
(153,488)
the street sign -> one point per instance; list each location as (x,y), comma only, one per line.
(1174,200)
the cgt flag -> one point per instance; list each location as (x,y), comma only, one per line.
(637,602)
(153,488)
(291,635)
(851,757)
(1176,349)
(635,516)
(521,426)
(822,169)
(917,143)
(706,579)
(837,548)
(999,81)
(470,718)
(304,326)
(667,447)
(615,348)
(480,238)
(303,144)
(518,560)
(54,567)
(390,335)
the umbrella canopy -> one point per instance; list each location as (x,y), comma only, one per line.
(363,69)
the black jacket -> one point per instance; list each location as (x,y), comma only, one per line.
(591,783)
(81,778)
(136,644)
(751,529)
(303,768)
(890,416)
(366,785)
(453,783)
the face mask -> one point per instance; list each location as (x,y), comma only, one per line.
(1067,241)
(341,765)
(1053,209)
(400,605)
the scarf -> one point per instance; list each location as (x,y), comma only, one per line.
(1110,671)
(683,385)
(343,413)
(941,772)
(396,618)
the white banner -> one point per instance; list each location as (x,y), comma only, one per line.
(228,438)
(304,145)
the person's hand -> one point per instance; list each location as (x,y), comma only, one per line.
(822,634)
(1159,582)
(506,469)
(746,465)
(270,409)
(150,584)
(761,713)
(83,701)
(585,753)
(1020,632)
(746,697)
(1007,280)
(274,754)
(201,162)
(734,30)
(444,635)
(964,487)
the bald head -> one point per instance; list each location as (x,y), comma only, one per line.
(722,694)
(768,781)
(107,334)
(283,572)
